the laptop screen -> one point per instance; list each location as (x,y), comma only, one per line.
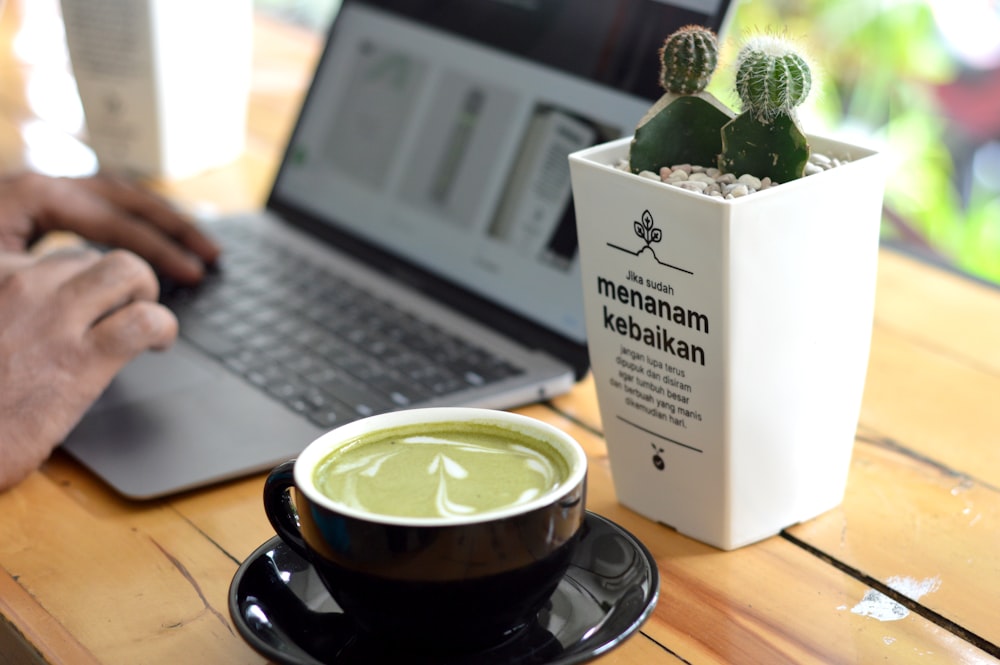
(438,130)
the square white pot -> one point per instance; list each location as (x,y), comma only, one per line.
(729,349)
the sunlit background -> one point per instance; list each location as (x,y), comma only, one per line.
(922,79)
(917,78)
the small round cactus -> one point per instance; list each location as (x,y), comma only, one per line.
(684,125)
(771,77)
(688,59)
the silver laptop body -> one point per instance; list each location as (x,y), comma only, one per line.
(428,167)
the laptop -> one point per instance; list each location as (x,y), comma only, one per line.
(426,181)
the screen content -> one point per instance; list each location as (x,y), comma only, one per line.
(444,140)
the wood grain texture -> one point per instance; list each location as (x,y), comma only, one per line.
(29,634)
(942,309)
(88,577)
(130,582)
(772,602)
(907,520)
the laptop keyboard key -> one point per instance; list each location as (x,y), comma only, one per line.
(351,391)
(331,416)
(317,343)
(209,340)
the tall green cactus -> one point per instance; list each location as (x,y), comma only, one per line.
(772,79)
(683,127)
(688,59)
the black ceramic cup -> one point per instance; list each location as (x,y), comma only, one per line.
(441,583)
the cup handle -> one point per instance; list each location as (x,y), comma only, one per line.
(281,510)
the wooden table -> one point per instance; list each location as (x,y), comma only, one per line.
(907,569)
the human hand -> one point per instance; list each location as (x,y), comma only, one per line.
(108,210)
(69,321)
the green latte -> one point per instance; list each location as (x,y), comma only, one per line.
(440,470)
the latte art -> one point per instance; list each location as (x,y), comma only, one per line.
(446,474)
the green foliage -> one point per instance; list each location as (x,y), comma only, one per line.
(881,62)
(772,80)
(683,127)
(776,149)
(688,59)
(685,131)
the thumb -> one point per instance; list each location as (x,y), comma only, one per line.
(133,328)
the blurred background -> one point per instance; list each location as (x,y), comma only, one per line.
(919,79)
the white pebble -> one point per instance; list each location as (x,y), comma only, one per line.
(693,185)
(820,159)
(712,182)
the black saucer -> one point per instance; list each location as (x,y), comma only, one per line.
(282,610)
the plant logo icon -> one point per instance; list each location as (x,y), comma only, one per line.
(645,228)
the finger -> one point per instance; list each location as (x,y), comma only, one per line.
(157,211)
(54,268)
(28,288)
(169,258)
(132,329)
(117,278)
(14,261)
(74,206)
(17,228)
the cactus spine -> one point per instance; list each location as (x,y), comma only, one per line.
(684,125)
(688,59)
(772,80)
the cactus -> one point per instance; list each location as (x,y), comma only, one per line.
(765,139)
(684,125)
(688,59)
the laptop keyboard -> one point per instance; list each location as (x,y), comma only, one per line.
(319,344)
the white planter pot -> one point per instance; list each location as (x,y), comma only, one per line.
(730,354)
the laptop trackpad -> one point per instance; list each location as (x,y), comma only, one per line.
(167,424)
(153,374)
